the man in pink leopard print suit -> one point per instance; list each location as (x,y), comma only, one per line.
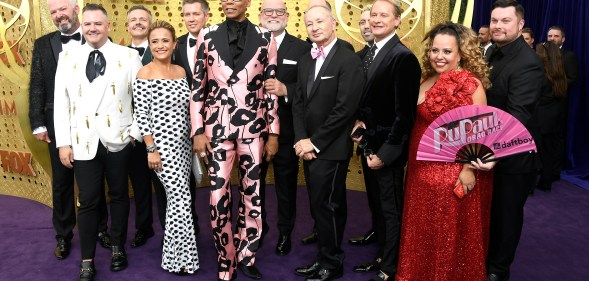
(232,113)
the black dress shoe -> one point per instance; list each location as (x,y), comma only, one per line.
(326,274)
(367,267)
(62,250)
(380,277)
(118,260)
(368,238)
(250,271)
(104,240)
(311,238)
(87,271)
(141,238)
(497,277)
(308,270)
(283,246)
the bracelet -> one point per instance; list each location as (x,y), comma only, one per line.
(151,148)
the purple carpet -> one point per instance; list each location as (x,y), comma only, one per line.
(554,243)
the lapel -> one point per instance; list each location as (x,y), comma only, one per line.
(323,68)
(380,56)
(252,43)
(284,46)
(221,43)
(499,65)
(99,87)
(147,57)
(55,42)
(183,47)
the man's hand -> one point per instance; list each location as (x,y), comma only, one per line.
(374,162)
(309,156)
(200,146)
(44,136)
(271,147)
(275,87)
(479,165)
(358,124)
(303,146)
(66,156)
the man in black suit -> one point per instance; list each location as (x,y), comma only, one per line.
(329,87)
(274,17)
(388,107)
(554,137)
(138,22)
(515,75)
(369,180)
(64,14)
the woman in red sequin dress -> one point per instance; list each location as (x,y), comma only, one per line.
(444,237)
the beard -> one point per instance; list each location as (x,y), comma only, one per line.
(66,27)
(274,26)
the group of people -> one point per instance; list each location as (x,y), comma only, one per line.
(256,93)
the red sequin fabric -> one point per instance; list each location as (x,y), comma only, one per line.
(443,237)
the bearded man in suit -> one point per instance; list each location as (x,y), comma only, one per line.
(280,151)
(232,113)
(64,14)
(329,86)
(94,129)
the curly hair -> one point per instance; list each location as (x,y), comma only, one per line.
(471,54)
(162,24)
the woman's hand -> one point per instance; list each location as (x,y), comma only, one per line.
(154,161)
(479,165)
(467,178)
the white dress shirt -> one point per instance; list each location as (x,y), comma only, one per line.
(320,60)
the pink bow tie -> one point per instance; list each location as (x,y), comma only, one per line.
(316,52)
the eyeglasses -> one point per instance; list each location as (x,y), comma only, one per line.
(279,12)
(231,1)
(363,144)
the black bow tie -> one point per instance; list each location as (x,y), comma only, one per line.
(141,50)
(66,38)
(191,42)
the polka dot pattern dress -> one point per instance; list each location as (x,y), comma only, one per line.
(161,110)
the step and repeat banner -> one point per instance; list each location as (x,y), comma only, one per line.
(25,167)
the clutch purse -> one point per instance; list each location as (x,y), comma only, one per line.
(459,190)
(197,170)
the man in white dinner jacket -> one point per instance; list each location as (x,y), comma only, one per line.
(94,130)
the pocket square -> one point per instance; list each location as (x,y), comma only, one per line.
(326,77)
(291,62)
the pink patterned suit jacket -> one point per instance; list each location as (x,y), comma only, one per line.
(229,101)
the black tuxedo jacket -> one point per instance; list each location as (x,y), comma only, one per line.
(181,58)
(291,50)
(362,53)
(517,76)
(147,56)
(571,67)
(324,109)
(389,101)
(42,84)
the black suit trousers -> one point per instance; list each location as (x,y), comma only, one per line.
(114,166)
(286,169)
(141,181)
(510,192)
(326,180)
(390,183)
(373,194)
(64,208)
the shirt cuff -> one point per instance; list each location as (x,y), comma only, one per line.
(316,149)
(39,130)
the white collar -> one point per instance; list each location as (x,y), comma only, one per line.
(380,44)
(327,48)
(145,44)
(280,38)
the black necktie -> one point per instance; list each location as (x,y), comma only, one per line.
(191,42)
(369,58)
(95,66)
(141,50)
(66,38)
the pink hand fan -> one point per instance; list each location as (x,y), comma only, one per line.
(469,132)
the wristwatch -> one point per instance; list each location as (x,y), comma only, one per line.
(151,148)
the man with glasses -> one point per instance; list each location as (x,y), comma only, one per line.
(231,113)
(274,17)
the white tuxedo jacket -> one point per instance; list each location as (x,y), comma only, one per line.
(86,113)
